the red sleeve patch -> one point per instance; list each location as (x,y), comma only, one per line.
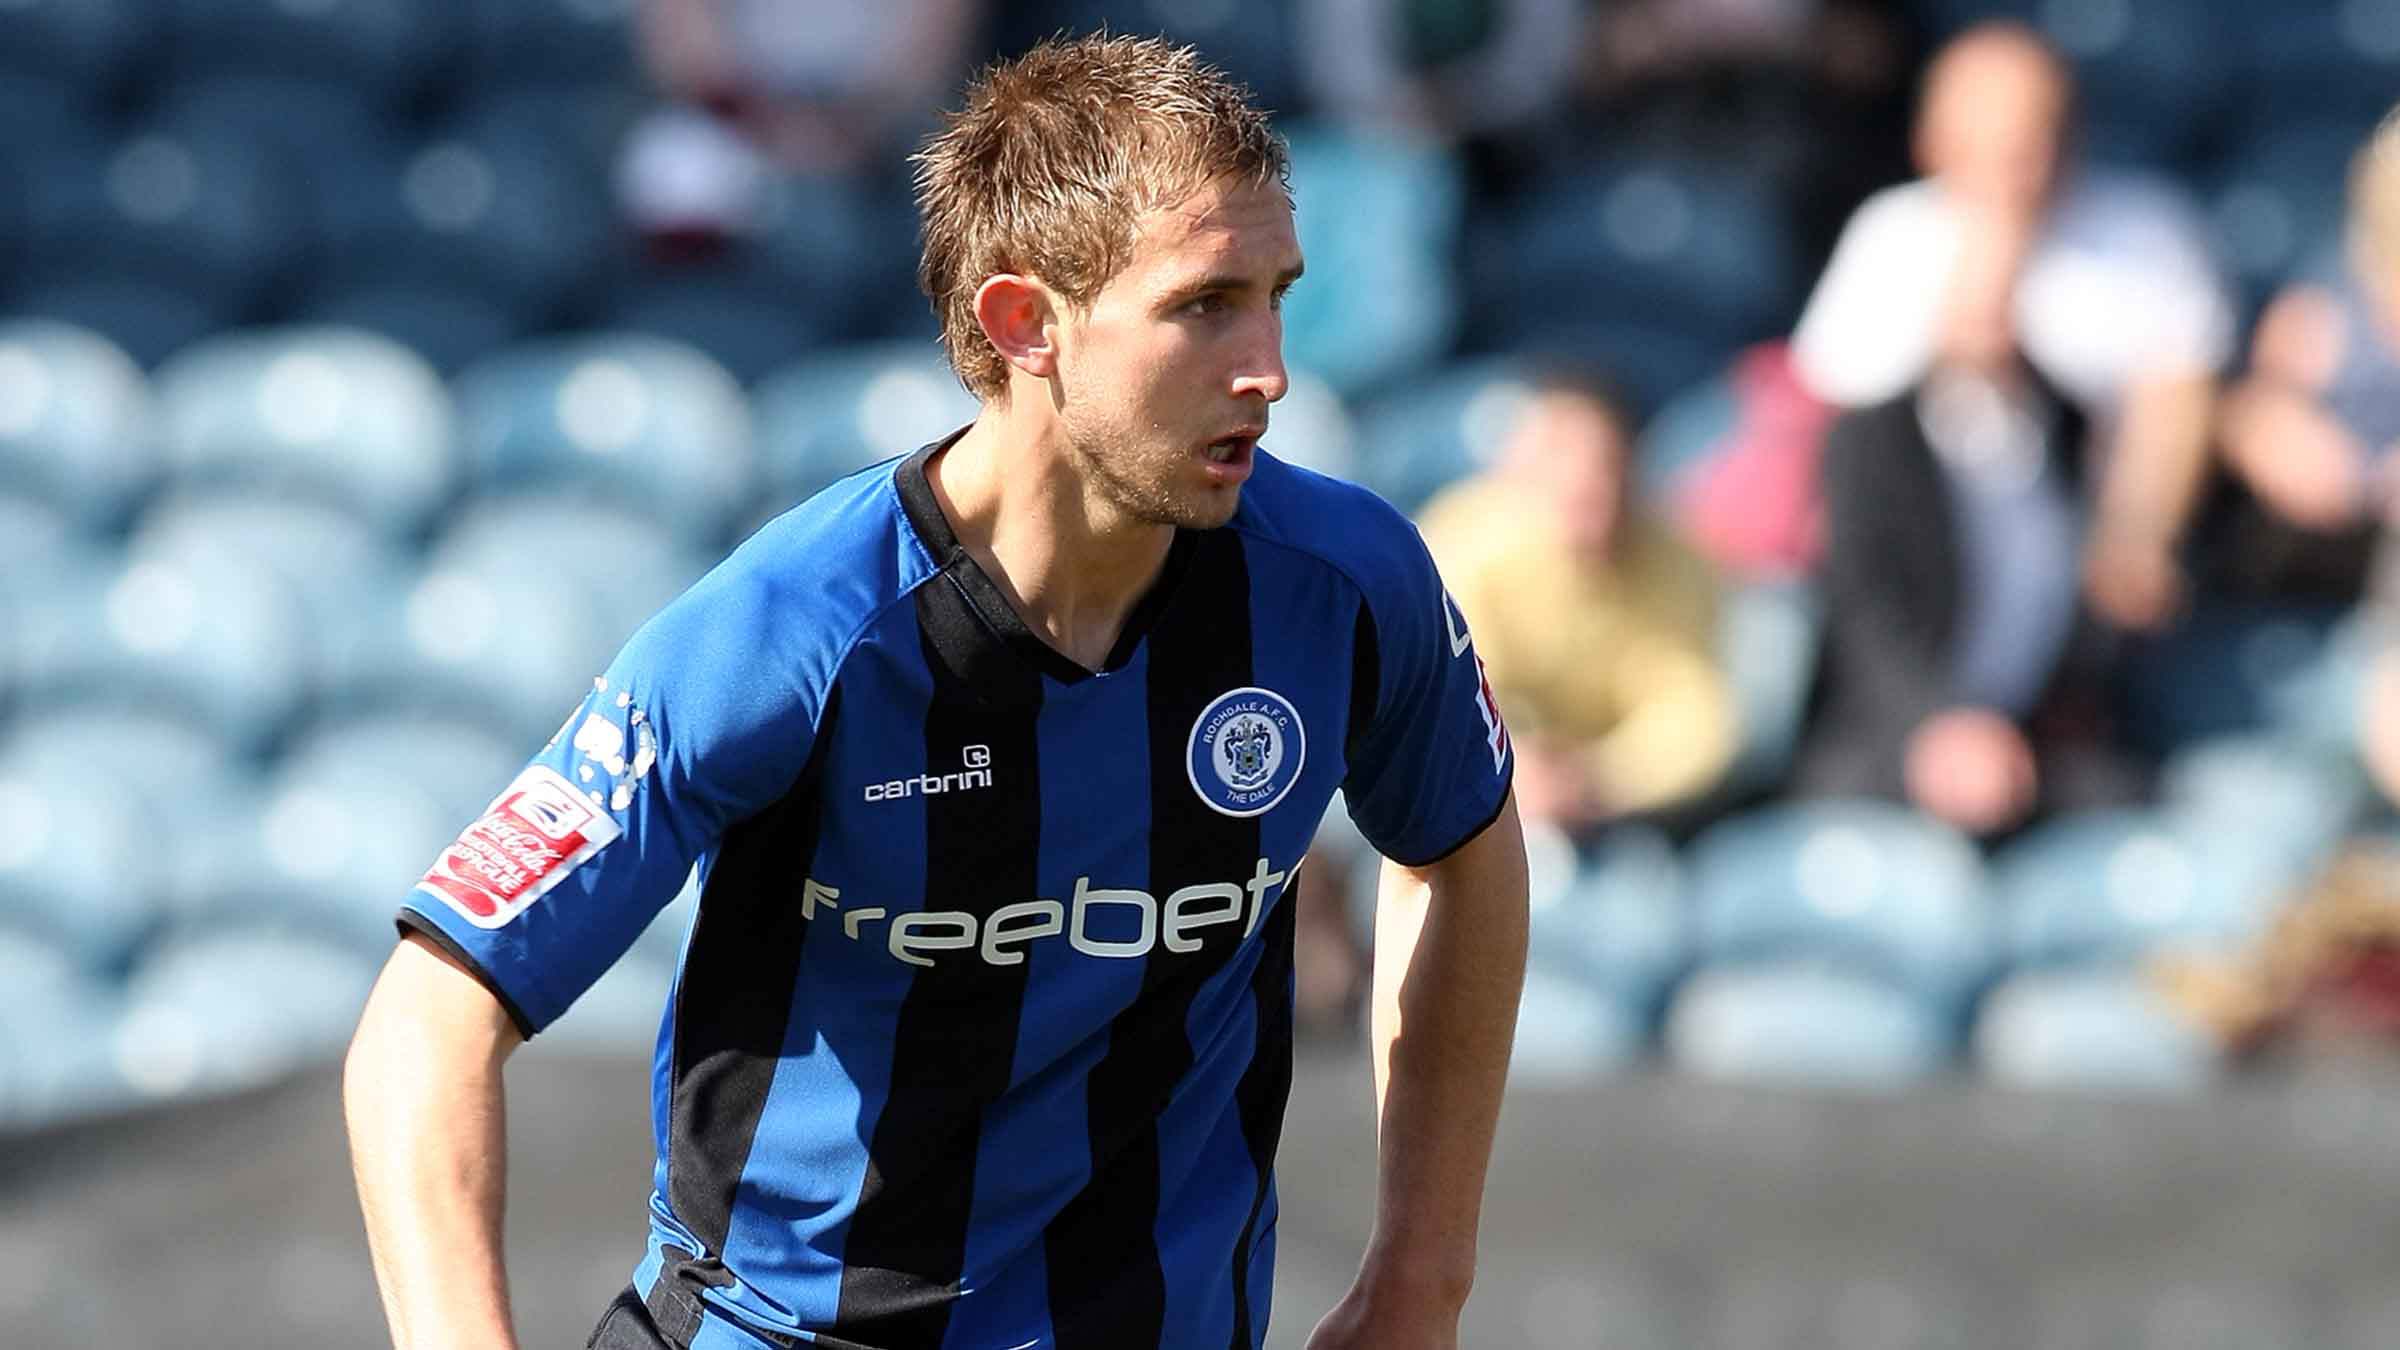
(529,838)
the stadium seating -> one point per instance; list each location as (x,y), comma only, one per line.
(1389,280)
(2340,57)
(1861,885)
(2231,668)
(217,640)
(1807,1026)
(1253,40)
(76,422)
(79,864)
(641,422)
(844,409)
(1570,1031)
(2115,886)
(1768,635)
(2090,1030)
(1618,925)
(198,1018)
(624,563)
(56,1057)
(330,415)
(385,48)
(2276,196)
(1434,431)
(315,550)
(1696,257)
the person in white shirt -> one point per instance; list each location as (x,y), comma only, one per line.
(2115,298)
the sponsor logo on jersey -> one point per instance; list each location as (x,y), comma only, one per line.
(1495,731)
(1116,923)
(976,774)
(1246,750)
(614,739)
(529,838)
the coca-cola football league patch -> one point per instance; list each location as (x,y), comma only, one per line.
(529,838)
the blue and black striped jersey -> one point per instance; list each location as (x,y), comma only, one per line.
(982,1035)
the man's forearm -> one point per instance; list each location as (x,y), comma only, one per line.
(428,1137)
(1449,970)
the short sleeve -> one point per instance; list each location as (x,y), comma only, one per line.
(1431,765)
(688,733)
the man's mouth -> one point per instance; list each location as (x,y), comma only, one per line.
(1236,448)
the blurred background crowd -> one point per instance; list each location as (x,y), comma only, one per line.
(1916,470)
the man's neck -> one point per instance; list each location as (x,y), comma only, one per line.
(1071,565)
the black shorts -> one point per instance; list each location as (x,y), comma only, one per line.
(631,1324)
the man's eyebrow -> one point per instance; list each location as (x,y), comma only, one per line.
(1227,281)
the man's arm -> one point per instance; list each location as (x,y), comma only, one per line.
(422,1093)
(1449,969)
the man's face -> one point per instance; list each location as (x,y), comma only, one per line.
(1573,452)
(1163,385)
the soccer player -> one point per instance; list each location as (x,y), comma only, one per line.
(998,763)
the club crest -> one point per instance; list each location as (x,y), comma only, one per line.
(1247,748)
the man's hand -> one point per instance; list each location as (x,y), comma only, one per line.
(1972,768)
(1364,1321)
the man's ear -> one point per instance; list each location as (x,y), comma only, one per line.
(1019,315)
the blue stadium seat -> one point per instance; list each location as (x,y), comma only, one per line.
(199,1019)
(1867,886)
(209,219)
(56,1062)
(2114,886)
(324,414)
(451,327)
(2090,1030)
(463,214)
(536,42)
(150,756)
(2298,799)
(2277,194)
(1768,635)
(1619,925)
(351,818)
(2229,669)
(739,310)
(1377,301)
(1255,41)
(316,550)
(80,863)
(1643,252)
(44,111)
(1805,1026)
(2154,76)
(1418,439)
(584,122)
(92,43)
(314,125)
(642,422)
(626,564)
(149,321)
(513,651)
(1569,1031)
(214,639)
(2335,57)
(76,422)
(1680,435)
(385,48)
(844,409)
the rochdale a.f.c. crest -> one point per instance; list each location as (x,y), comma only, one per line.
(1246,751)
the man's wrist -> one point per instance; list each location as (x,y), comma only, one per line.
(1431,1279)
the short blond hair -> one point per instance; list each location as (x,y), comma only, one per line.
(1051,159)
(2374,227)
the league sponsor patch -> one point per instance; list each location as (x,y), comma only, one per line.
(529,838)
(1495,731)
(1246,750)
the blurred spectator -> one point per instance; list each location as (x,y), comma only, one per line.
(1450,69)
(2324,976)
(2103,282)
(1596,623)
(762,86)
(1751,502)
(2311,429)
(1954,673)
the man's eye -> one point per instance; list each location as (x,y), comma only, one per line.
(1211,303)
